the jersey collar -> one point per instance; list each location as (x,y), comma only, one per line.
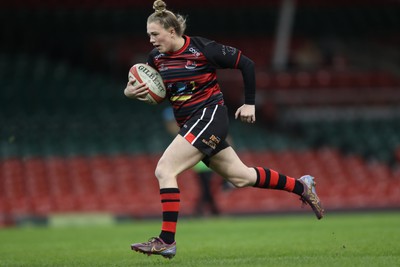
(183,48)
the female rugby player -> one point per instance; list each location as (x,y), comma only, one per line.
(188,67)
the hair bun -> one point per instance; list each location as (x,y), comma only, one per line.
(159,6)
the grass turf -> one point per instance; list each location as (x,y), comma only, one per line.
(367,239)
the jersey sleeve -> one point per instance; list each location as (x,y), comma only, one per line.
(150,59)
(223,56)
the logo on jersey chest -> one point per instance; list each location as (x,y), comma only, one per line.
(190,64)
(194,51)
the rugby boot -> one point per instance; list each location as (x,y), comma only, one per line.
(156,246)
(310,197)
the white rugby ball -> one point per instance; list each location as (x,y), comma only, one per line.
(144,73)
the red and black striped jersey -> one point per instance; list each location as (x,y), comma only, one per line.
(189,74)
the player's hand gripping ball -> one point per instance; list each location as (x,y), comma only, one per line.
(144,73)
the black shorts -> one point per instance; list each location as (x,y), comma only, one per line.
(207,130)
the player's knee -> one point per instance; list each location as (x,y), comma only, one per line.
(161,171)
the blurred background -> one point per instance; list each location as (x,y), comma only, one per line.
(328,95)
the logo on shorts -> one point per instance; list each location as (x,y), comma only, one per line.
(212,142)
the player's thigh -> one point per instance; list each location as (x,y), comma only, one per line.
(179,156)
(228,164)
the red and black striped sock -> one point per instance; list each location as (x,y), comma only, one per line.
(267,178)
(170,200)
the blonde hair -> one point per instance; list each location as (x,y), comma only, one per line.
(167,18)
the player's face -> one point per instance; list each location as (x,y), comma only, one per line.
(161,38)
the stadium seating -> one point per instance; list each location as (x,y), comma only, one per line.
(126,184)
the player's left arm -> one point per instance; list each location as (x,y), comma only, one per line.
(247,112)
(223,56)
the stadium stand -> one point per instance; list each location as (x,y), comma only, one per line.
(109,183)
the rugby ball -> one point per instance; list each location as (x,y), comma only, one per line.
(144,73)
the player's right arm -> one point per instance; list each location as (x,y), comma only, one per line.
(135,90)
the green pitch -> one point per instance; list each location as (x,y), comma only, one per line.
(367,239)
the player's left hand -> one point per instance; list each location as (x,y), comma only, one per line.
(246,113)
